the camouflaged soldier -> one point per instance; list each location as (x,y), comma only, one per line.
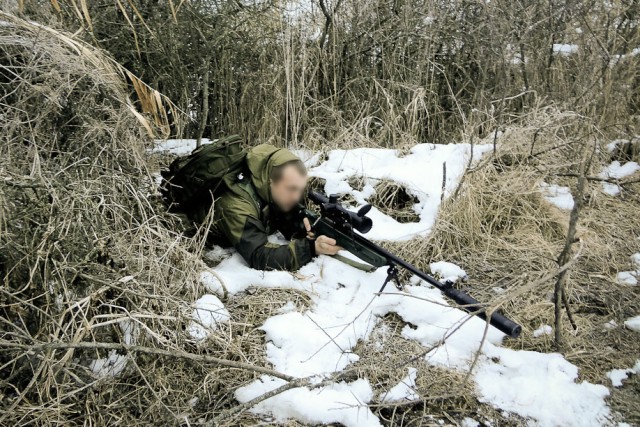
(262,201)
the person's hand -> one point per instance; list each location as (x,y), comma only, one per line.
(324,245)
(307,226)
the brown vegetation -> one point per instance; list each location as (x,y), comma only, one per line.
(85,249)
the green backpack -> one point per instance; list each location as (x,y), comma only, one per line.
(192,182)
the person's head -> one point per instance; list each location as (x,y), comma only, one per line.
(287,183)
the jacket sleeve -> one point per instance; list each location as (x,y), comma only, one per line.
(248,235)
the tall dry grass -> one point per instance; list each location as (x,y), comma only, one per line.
(92,266)
(381,73)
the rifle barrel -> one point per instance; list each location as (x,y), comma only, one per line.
(466,302)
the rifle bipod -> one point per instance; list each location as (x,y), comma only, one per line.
(392,274)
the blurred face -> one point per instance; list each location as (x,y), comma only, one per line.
(288,191)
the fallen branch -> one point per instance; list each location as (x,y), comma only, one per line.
(307,382)
(41,347)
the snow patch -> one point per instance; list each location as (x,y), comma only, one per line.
(344,403)
(630,277)
(447,271)
(542,387)
(287,308)
(627,278)
(542,330)
(469,422)
(404,390)
(616,170)
(209,313)
(565,49)
(211,282)
(633,323)
(179,147)
(635,259)
(557,195)
(111,366)
(611,324)
(617,376)
(114,363)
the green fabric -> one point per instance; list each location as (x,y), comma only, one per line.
(355,264)
(193,181)
(261,160)
(230,213)
(244,216)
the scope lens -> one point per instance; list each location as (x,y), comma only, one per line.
(362,224)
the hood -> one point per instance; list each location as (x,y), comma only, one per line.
(261,160)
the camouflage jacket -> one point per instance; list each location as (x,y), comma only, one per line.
(245,215)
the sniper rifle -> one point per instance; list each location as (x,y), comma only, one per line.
(345,227)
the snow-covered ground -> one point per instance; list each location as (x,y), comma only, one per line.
(557,195)
(419,172)
(318,342)
(617,170)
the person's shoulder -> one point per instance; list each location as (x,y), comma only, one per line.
(235,204)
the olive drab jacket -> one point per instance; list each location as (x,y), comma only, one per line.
(245,215)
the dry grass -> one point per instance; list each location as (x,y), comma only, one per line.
(77,215)
(84,247)
(505,234)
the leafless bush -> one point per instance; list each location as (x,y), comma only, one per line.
(385,73)
(93,272)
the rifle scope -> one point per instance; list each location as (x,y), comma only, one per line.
(332,208)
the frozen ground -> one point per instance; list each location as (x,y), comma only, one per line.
(318,342)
